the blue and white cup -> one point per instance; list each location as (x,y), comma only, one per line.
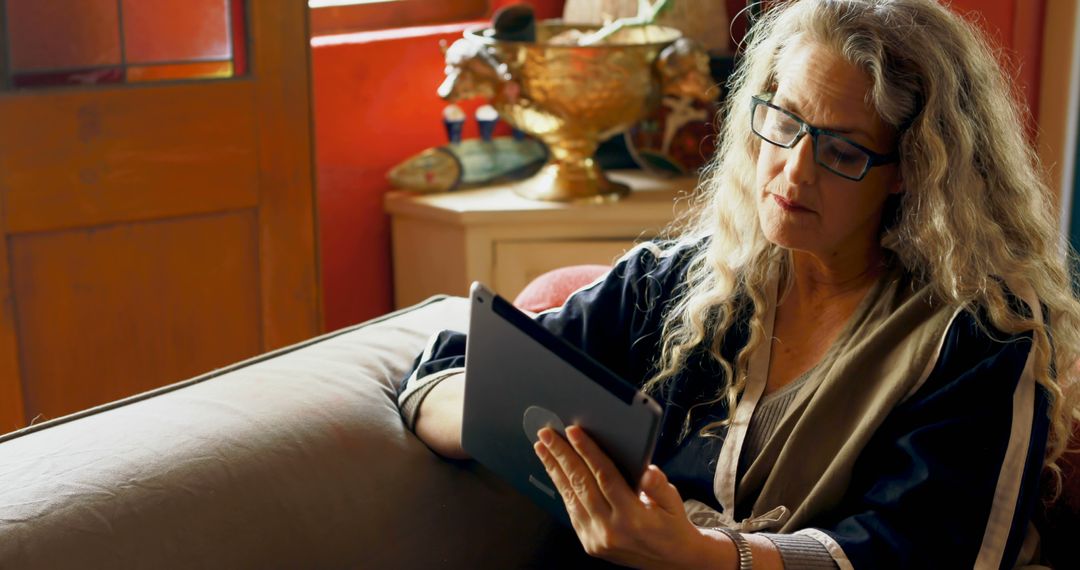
(486,118)
(454,121)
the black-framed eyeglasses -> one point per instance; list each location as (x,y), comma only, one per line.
(838,154)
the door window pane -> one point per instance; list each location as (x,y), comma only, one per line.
(157,31)
(136,73)
(88,76)
(49,35)
(83,42)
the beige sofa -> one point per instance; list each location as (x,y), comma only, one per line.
(296,459)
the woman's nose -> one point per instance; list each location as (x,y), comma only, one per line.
(800,167)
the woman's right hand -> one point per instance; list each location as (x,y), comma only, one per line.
(438,421)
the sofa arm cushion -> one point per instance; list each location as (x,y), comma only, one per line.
(295,459)
(551,289)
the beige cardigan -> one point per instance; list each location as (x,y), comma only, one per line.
(884,355)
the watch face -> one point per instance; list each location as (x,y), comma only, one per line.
(433,170)
(676,139)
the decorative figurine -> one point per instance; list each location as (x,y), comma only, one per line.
(569,96)
(698,20)
(647,13)
(469,163)
(677,137)
(472,71)
(453,120)
(486,117)
(514,23)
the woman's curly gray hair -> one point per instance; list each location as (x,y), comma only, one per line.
(975,212)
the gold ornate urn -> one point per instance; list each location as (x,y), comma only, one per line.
(571,97)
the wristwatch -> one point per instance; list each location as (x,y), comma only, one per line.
(742,547)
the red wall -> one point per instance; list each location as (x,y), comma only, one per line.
(1017,25)
(375,105)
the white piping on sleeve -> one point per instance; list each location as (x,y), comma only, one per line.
(411,382)
(410,402)
(930,364)
(727,463)
(831,545)
(1011,474)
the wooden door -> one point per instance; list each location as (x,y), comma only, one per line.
(151,232)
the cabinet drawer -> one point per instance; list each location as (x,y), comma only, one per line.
(518,263)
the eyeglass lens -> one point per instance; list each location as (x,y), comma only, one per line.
(833,153)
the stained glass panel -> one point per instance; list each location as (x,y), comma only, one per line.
(157,31)
(198,70)
(62,34)
(70,77)
(84,42)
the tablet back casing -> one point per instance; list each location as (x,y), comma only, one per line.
(512,365)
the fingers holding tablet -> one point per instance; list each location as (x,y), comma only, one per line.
(571,475)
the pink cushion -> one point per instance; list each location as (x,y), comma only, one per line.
(551,289)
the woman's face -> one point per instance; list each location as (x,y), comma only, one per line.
(801,205)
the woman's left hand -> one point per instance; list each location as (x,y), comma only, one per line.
(613,522)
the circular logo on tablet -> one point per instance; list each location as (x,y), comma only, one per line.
(536,418)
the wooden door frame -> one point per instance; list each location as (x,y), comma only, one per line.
(1059,101)
(11,394)
(12,412)
(292,281)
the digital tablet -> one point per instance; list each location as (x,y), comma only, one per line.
(520,377)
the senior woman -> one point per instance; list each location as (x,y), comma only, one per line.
(853,340)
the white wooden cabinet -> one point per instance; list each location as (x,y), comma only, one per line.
(444,242)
